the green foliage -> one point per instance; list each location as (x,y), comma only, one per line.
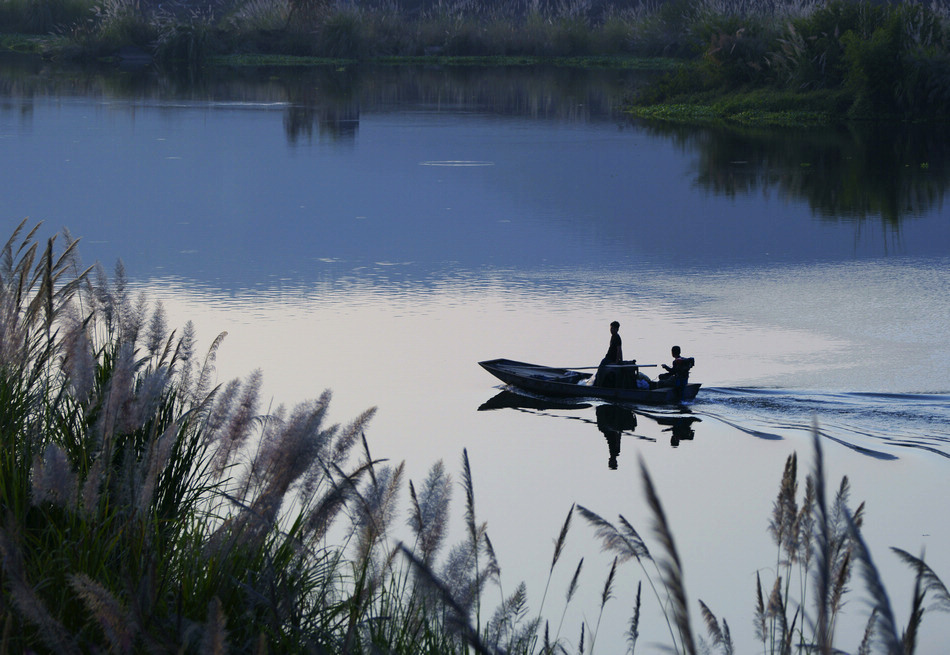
(869,61)
(122,22)
(388,33)
(572,36)
(42,16)
(462,37)
(715,114)
(873,65)
(925,90)
(538,32)
(260,15)
(617,35)
(737,58)
(684,83)
(888,57)
(668,30)
(191,41)
(306,15)
(810,54)
(340,36)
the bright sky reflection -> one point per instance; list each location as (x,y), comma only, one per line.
(412,351)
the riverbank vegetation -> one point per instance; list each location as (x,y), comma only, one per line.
(144,508)
(854,59)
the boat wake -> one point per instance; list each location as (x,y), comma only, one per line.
(874,424)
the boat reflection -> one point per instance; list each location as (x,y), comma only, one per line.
(613,421)
(511,400)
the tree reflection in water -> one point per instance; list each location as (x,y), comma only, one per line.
(847,173)
(854,172)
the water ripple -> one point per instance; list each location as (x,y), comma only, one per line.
(457,163)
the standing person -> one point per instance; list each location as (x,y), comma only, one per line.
(615,350)
(614,353)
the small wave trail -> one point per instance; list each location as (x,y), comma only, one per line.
(874,424)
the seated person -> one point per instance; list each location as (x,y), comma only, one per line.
(678,373)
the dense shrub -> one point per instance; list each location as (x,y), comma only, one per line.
(42,16)
(925,89)
(307,15)
(260,15)
(667,31)
(737,54)
(617,35)
(122,22)
(185,41)
(389,33)
(873,65)
(341,36)
(809,54)
(890,59)
(572,37)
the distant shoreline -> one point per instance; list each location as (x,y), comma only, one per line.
(782,65)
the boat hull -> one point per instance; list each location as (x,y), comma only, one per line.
(566,383)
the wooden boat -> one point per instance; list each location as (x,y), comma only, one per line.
(619,385)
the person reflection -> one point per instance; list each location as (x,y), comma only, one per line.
(681,429)
(612,421)
(613,447)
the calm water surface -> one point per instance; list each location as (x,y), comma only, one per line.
(379,232)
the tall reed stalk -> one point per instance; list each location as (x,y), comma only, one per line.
(819,540)
(144,509)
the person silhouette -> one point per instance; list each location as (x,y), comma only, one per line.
(614,355)
(677,375)
(680,367)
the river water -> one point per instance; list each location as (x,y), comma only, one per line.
(378,232)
